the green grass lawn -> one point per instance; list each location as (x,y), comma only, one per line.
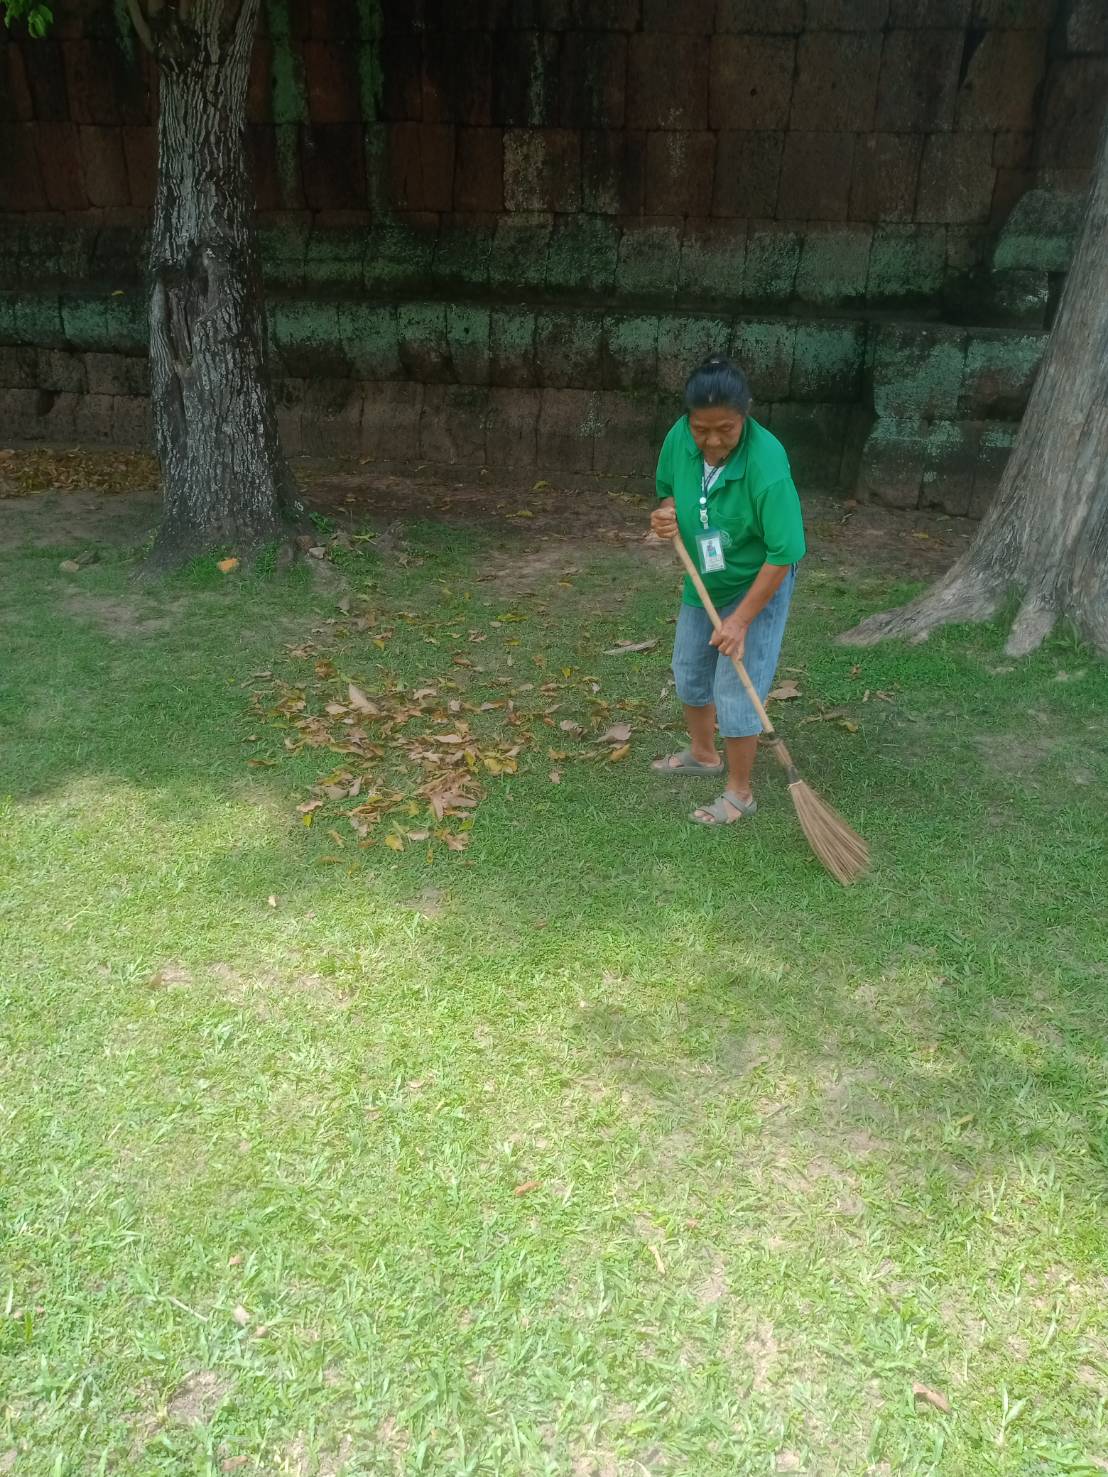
(606,1145)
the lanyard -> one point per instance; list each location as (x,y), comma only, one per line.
(709,476)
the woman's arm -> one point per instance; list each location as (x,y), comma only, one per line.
(731,636)
(663,520)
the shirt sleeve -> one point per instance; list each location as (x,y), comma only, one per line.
(782,522)
(663,477)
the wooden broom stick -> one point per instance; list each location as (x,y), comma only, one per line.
(840,849)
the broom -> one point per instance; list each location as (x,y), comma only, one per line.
(841,850)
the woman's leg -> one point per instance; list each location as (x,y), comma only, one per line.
(741,753)
(701,723)
(694,667)
(738,721)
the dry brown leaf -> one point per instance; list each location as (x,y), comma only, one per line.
(418,835)
(527,1187)
(570,725)
(784,693)
(458,841)
(309,806)
(828,717)
(624,648)
(555,776)
(226,566)
(241,1316)
(934,1398)
(619,733)
(359,701)
(620,753)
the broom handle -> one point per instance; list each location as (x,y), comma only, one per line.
(713,614)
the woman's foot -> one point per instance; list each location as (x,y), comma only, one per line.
(688,763)
(730,807)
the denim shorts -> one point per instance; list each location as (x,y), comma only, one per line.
(704,675)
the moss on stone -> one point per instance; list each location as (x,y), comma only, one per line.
(764,348)
(517,262)
(467,336)
(713,263)
(84,321)
(462,257)
(827,361)
(917,371)
(306,334)
(906,262)
(581,255)
(335,257)
(834,265)
(1041,232)
(398,258)
(684,340)
(568,349)
(284,249)
(421,339)
(772,260)
(369,339)
(1000,369)
(512,346)
(649,262)
(630,351)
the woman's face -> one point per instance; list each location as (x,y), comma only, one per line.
(716,432)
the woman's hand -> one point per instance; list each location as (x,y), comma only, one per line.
(731,636)
(663,520)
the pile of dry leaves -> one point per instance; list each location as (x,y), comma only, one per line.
(408,765)
(40,469)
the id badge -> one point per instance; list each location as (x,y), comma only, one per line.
(709,551)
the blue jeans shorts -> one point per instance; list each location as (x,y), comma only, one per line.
(704,675)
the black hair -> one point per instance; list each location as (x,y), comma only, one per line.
(717,382)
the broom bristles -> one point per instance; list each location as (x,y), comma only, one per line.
(836,844)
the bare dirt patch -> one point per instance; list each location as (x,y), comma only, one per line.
(762,1350)
(197,1398)
(714,1286)
(115,616)
(65,498)
(298,1460)
(65,520)
(1009,754)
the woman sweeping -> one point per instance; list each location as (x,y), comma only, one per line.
(724,483)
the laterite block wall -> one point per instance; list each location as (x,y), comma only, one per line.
(498,231)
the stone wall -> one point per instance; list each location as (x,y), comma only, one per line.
(500,230)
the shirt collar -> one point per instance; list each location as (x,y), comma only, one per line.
(735,465)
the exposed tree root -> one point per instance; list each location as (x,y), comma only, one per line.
(962,595)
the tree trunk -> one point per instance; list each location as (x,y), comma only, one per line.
(1046,533)
(226,483)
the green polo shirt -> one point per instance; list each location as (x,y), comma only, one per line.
(754,504)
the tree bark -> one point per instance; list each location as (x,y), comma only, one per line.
(226,482)
(1046,533)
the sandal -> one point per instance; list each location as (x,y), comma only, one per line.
(718,810)
(687,763)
